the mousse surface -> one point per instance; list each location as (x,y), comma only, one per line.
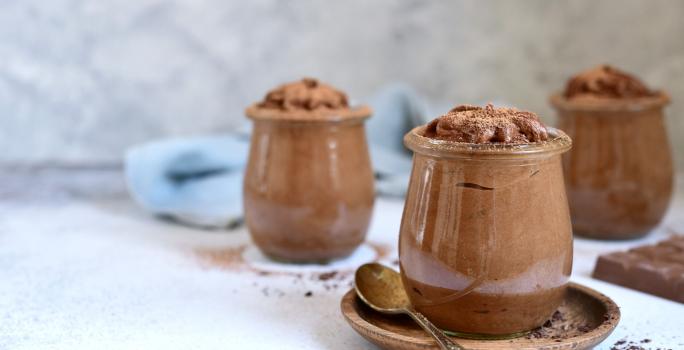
(306,99)
(489,124)
(307,94)
(606,82)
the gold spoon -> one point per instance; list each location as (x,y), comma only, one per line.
(380,288)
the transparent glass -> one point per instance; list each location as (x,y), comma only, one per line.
(619,174)
(308,188)
(485,245)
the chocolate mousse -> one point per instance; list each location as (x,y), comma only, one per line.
(305,99)
(308,186)
(606,82)
(619,172)
(475,124)
(485,242)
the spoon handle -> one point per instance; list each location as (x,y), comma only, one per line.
(443,341)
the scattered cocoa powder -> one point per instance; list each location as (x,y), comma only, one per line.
(231,258)
(624,344)
(326,276)
(558,328)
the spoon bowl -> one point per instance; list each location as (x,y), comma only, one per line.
(381,289)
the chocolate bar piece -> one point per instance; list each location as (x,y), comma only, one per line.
(655,269)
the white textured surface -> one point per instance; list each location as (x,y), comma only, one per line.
(81,80)
(101,274)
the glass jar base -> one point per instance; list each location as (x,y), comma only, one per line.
(601,236)
(303,261)
(479,336)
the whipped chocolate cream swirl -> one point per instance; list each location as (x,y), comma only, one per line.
(473,124)
(606,82)
(305,95)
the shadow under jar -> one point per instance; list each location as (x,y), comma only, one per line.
(485,244)
(619,173)
(308,187)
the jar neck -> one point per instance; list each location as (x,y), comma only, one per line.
(318,124)
(604,105)
(359,113)
(558,143)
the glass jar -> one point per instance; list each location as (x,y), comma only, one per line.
(308,187)
(485,245)
(619,173)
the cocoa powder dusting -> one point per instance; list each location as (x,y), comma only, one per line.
(232,259)
(489,124)
(307,94)
(229,258)
(559,327)
(606,82)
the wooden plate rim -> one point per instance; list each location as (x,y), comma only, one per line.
(590,338)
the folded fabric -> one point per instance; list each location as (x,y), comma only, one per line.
(198,181)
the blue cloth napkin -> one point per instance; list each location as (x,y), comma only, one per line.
(198,181)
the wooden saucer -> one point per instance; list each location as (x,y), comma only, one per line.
(588,318)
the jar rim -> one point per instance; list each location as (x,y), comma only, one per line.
(558,143)
(325,116)
(659,100)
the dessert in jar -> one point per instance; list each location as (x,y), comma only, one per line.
(308,187)
(619,173)
(485,245)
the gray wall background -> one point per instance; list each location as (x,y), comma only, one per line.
(80,81)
